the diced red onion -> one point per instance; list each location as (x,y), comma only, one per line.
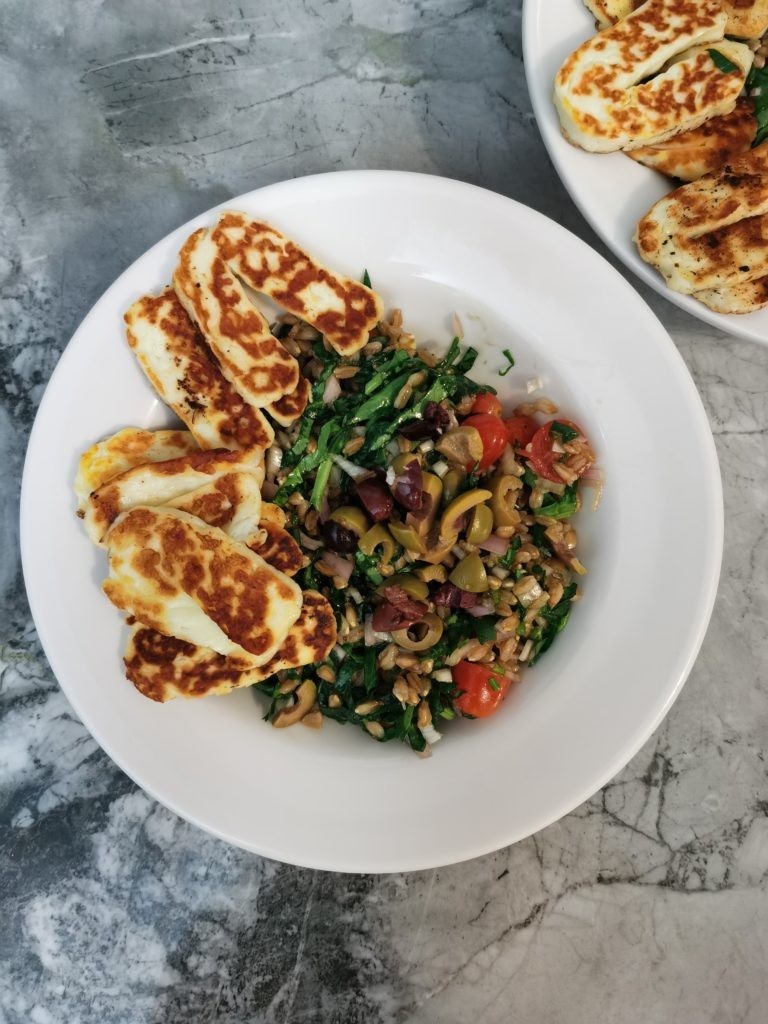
(332,390)
(351,468)
(341,566)
(372,636)
(479,610)
(310,543)
(495,544)
(272,461)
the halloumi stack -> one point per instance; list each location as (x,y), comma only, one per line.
(747,19)
(191,581)
(221,487)
(702,150)
(604,93)
(709,238)
(248,354)
(172,353)
(343,310)
(122,451)
(163,667)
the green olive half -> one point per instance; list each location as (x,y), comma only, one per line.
(378,536)
(480,524)
(470,575)
(407,536)
(451,520)
(422,635)
(353,518)
(412,585)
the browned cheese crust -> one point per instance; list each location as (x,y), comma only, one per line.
(163,667)
(279,549)
(702,150)
(158,555)
(343,310)
(247,352)
(180,366)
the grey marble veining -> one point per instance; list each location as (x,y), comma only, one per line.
(647,904)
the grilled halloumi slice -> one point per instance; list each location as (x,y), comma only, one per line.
(606,99)
(185,579)
(288,409)
(277,546)
(747,19)
(248,354)
(702,150)
(163,667)
(172,353)
(608,12)
(736,298)
(343,310)
(711,236)
(124,450)
(186,483)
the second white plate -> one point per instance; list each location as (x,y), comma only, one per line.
(612,191)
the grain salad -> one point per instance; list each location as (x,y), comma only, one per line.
(439,530)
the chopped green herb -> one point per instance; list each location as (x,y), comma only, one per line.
(366,279)
(494,683)
(722,62)
(510,361)
(564,507)
(486,628)
(563,431)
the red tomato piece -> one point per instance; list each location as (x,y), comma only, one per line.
(486,402)
(483,688)
(492,433)
(520,430)
(542,457)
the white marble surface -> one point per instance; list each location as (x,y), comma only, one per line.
(649,903)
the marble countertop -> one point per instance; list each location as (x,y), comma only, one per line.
(647,904)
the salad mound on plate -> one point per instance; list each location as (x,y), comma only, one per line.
(439,530)
(348,524)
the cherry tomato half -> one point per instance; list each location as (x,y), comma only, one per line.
(543,457)
(492,433)
(483,688)
(520,430)
(486,402)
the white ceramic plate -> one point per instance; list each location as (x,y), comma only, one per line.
(611,190)
(334,799)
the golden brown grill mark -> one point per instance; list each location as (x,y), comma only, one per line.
(177,554)
(271,263)
(163,667)
(710,237)
(198,393)
(249,356)
(279,549)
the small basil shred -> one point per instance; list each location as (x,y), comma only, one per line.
(722,62)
